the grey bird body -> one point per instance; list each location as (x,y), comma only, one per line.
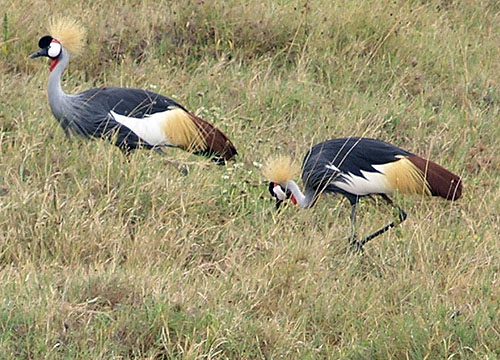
(129,118)
(88,114)
(333,165)
(359,167)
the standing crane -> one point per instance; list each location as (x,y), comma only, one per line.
(130,118)
(359,167)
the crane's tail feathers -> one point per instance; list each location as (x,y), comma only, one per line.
(440,181)
(215,142)
(181,131)
(406,178)
(280,169)
(193,134)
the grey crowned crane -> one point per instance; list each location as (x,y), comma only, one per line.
(359,167)
(130,118)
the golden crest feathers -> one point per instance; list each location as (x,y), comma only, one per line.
(69,32)
(280,169)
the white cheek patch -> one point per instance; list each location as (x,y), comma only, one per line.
(54,49)
(280,194)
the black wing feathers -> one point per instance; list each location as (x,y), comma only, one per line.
(95,120)
(128,102)
(348,155)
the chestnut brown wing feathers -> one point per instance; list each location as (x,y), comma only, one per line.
(217,143)
(441,181)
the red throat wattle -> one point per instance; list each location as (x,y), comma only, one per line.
(294,200)
(53,64)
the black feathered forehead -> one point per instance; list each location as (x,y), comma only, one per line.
(45,41)
(271,187)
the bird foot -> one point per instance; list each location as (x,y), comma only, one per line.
(357,247)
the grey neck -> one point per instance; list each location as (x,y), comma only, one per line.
(304,201)
(57,96)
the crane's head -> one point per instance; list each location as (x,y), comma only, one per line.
(281,194)
(65,34)
(279,171)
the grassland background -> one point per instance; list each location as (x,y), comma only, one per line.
(104,258)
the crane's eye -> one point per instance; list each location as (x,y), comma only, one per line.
(54,49)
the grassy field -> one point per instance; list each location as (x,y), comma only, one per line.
(103,258)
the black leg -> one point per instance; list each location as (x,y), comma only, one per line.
(353,238)
(67,133)
(401,217)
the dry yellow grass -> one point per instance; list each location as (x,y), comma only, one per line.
(101,257)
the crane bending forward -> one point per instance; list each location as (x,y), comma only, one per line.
(130,118)
(358,167)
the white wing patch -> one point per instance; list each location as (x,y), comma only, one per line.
(149,128)
(371,183)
